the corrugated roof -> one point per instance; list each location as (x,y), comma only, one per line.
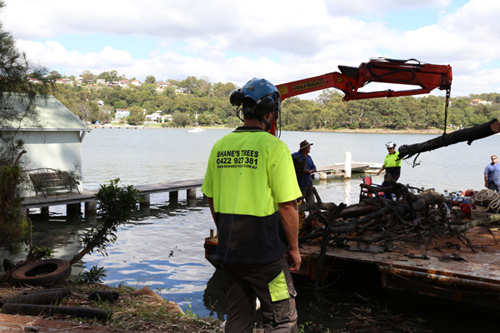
(52,115)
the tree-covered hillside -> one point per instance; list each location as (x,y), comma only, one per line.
(182,103)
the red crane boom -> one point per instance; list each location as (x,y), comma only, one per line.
(350,79)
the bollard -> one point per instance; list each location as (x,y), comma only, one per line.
(90,208)
(347,165)
(73,209)
(145,200)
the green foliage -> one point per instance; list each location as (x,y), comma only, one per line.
(181,119)
(116,206)
(13,223)
(96,274)
(15,81)
(41,252)
(185,98)
(137,116)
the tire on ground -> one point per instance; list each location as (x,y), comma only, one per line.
(42,273)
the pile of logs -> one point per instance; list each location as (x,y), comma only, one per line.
(379,221)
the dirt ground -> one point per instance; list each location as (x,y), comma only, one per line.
(18,323)
(23,323)
(140,310)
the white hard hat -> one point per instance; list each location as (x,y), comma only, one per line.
(390,144)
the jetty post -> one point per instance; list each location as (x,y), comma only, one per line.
(145,200)
(347,165)
(90,208)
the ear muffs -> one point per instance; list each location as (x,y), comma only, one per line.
(236,97)
(268,103)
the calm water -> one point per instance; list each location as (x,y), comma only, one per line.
(163,249)
(159,155)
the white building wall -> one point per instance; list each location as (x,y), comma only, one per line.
(56,150)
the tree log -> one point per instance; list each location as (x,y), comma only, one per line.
(468,134)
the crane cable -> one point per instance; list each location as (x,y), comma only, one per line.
(447,103)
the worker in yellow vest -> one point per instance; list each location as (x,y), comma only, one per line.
(392,165)
(252,190)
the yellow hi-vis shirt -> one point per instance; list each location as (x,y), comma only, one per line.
(392,160)
(249,172)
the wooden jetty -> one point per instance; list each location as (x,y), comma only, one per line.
(73,201)
(347,168)
(339,169)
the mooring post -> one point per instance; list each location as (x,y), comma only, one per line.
(191,193)
(173,196)
(191,197)
(73,209)
(347,165)
(90,208)
(145,200)
(44,211)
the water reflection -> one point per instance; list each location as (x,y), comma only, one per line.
(163,250)
(55,231)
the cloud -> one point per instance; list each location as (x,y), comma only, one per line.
(282,40)
(378,7)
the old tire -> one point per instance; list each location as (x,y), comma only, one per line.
(42,273)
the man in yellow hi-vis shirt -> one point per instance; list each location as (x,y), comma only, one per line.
(252,189)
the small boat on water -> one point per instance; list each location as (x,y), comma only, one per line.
(196,130)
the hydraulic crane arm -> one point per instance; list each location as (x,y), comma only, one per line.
(350,79)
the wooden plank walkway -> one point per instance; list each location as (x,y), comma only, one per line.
(338,169)
(89,196)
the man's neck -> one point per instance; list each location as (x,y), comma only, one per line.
(254,123)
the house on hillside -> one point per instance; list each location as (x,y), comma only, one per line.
(52,140)
(121,113)
(124,83)
(477,101)
(155,117)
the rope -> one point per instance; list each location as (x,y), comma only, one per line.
(489,197)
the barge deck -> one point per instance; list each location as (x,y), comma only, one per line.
(445,268)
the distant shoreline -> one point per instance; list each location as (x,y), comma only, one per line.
(385,131)
(343,130)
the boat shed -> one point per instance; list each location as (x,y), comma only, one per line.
(52,138)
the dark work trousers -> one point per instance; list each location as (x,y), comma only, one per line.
(307,193)
(493,186)
(243,283)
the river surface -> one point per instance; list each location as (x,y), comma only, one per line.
(163,247)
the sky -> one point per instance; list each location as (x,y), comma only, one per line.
(280,40)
